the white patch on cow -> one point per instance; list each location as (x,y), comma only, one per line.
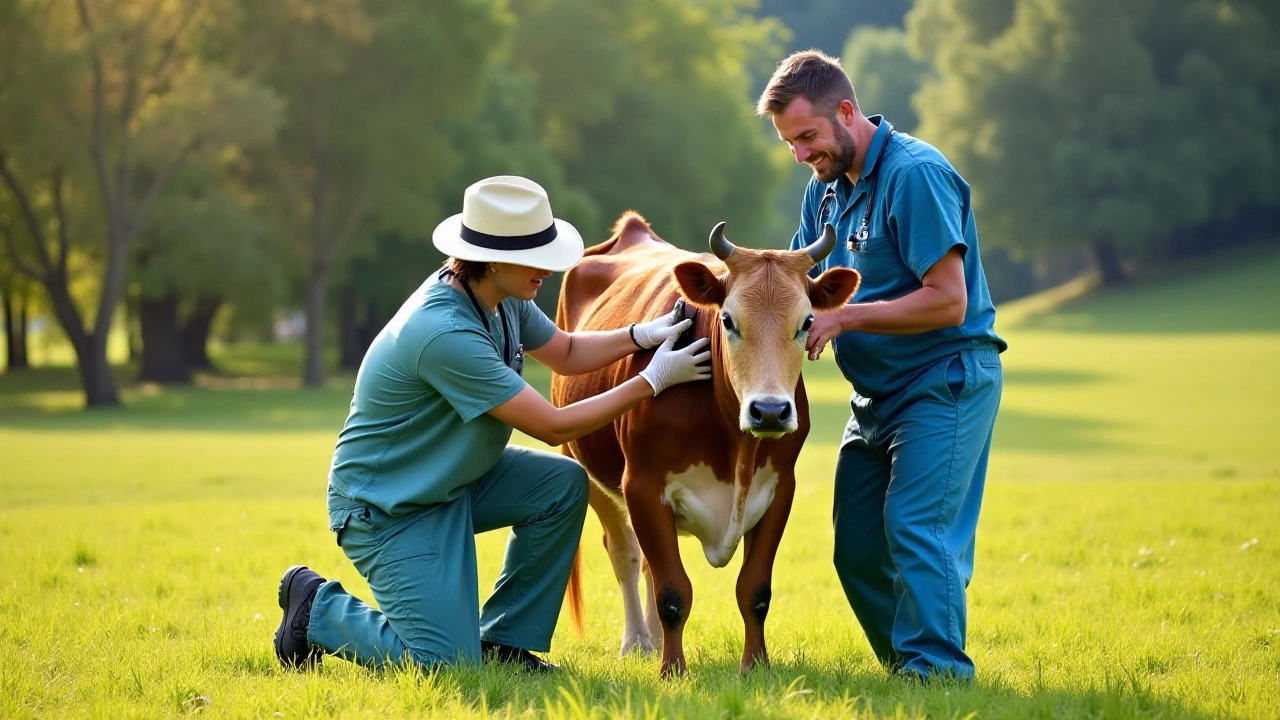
(704,507)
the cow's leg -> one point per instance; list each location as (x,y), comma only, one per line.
(624,554)
(651,620)
(655,528)
(755,580)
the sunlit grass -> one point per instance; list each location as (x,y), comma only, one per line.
(1128,561)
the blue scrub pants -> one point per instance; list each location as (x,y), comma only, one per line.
(908,488)
(422,568)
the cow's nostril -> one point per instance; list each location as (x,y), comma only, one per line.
(786,412)
(754,410)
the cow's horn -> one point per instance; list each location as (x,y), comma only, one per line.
(721,247)
(823,247)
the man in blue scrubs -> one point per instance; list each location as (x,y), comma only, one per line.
(422,463)
(917,343)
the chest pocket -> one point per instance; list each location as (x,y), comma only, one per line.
(878,260)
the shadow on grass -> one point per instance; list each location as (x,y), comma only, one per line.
(1046,376)
(1233,293)
(786,690)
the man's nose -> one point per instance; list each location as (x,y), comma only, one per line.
(801,152)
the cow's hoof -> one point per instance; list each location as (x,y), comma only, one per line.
(639,644)
(674,669)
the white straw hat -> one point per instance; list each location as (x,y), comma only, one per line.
(508,219)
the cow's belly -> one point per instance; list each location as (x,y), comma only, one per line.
(704,507)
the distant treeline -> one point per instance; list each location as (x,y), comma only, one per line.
(203,164)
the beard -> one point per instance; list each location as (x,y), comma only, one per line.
(841,160)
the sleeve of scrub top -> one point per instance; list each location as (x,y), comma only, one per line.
(464,368)
(924,213)
(536,329)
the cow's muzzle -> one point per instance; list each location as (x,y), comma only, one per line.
(769,416)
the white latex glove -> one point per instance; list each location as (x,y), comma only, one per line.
(652,334)
(672,367)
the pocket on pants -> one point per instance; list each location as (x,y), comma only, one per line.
(403,541)
(955,377)
(338,520)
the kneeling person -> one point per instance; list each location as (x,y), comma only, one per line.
(422,463)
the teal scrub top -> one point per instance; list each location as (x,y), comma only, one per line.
(920,210)
(418,431)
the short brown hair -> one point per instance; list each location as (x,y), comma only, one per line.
(813,75)
(467,271)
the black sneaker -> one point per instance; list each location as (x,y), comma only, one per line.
(297,593)
(493,652)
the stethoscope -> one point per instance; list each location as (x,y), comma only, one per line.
(858,240)
(516,361)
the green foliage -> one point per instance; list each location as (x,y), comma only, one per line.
(1125,567)
(885,74)
(651,112)
(1080,122)
(825,24)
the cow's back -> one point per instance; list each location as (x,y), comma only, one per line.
(624,280)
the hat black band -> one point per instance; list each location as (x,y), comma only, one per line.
(508,242)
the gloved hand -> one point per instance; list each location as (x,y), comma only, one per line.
(672,367)
(652,334)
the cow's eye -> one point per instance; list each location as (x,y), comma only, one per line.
(727,322)
(808,323)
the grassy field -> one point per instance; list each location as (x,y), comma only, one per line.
(1128,562)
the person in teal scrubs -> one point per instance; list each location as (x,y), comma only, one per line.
(422,463)
(918,344)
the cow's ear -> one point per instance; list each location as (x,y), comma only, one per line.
(699,285)
(833,288)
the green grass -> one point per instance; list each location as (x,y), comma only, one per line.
(1128,562)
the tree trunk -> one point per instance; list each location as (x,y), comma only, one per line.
(91,348)
(1108,262)
(195,333)
(95,375)
(162,359)
(313,368)
(350,330)
(130,326)
(15,331)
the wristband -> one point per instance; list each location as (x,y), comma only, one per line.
(631,329)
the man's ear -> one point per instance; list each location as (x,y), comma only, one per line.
(699,285)
(833,288)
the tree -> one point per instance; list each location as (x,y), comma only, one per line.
(370,84)
(1067,125)
(101,104)
(500,138)
(653,111)
(825,24)
(885,73)
(15,302)
(207,243)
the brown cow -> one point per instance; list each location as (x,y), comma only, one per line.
(714,459)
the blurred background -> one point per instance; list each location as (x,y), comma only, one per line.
(179,177)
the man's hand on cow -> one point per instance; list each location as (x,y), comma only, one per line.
(670,366)
(653,333)
(826,326)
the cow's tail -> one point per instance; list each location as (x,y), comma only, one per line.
(574,592)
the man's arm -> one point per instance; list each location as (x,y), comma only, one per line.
(941,302)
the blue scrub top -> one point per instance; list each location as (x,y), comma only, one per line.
(921,209)
(418,431)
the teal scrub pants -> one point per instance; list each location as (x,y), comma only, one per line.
(908,488)
(421,568)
